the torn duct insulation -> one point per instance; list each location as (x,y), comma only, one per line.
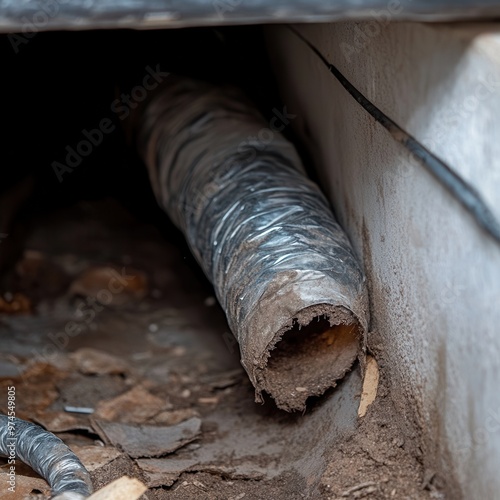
(282,268)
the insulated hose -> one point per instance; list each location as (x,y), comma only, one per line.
(47,455)
(282,268)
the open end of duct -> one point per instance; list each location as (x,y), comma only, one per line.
(310,357)
(282,268)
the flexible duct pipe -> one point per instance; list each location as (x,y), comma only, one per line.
(47,455)
(282,268)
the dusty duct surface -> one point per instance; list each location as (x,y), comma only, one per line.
(282,268)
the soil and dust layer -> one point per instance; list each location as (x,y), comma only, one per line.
(104,313)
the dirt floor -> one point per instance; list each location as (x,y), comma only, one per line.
(105,313)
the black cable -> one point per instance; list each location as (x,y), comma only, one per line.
(466,194)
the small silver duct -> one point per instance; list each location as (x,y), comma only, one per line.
(47,455)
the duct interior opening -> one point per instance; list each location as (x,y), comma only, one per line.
(307,355)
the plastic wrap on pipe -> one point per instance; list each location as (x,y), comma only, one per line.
(47,455)
(264,234)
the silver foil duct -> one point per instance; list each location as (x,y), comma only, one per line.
(282,268)
(47,455)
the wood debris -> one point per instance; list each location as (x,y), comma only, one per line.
(370,385)
(121,489)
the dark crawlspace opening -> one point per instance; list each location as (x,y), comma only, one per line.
(68,94)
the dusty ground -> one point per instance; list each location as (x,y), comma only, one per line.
(104,312)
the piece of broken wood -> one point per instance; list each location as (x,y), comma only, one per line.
(124,488)
(370,385)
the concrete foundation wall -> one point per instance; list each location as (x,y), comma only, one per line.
(434,275)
